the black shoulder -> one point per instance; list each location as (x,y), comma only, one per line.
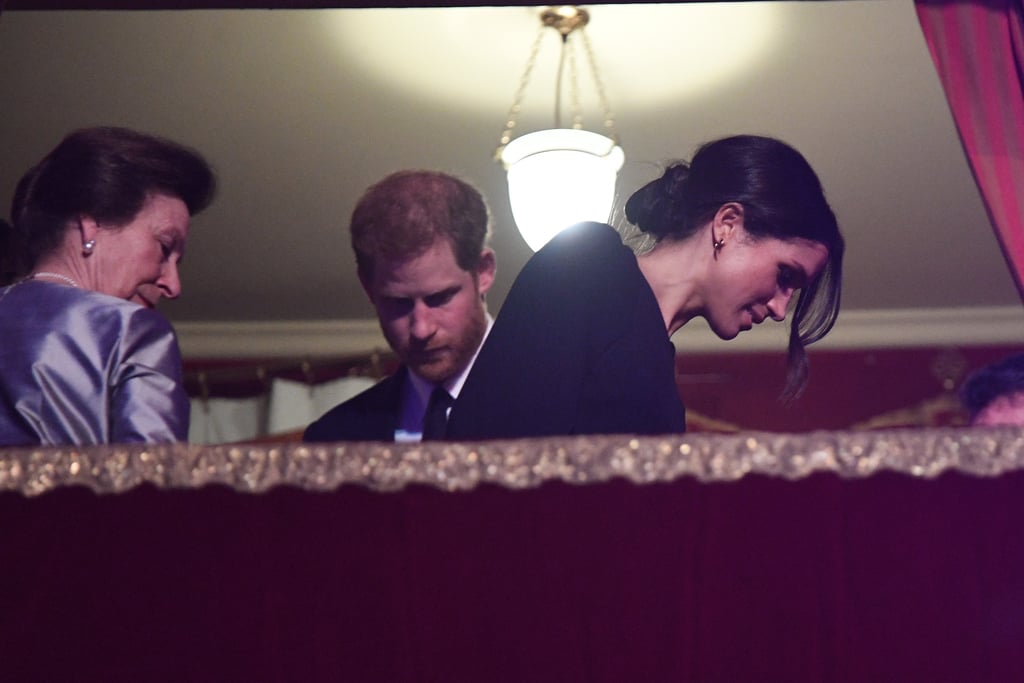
(369,415)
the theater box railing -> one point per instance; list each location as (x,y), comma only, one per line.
(829,555)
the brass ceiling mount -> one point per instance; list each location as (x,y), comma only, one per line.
(564,18)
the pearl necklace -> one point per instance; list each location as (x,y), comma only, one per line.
(56,276)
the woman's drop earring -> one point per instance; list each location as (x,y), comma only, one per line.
(87,247)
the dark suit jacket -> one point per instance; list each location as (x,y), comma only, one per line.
(369,416)
(579,347)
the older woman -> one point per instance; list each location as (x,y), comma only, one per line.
(581,344)
(97,230)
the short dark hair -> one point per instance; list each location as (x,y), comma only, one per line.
(990,382)
(782,198)
(403,214)
(106,173)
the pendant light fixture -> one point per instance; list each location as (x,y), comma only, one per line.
(565,174)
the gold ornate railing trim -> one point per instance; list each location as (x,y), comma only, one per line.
(515,464)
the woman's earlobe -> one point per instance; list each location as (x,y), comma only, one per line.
(89,229)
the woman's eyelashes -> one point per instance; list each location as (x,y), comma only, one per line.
(790,278)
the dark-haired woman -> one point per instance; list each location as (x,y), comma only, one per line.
(581,344)
(97,230)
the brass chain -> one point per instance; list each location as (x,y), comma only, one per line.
(606,110)
(574,86)
(513,112)
(576,108)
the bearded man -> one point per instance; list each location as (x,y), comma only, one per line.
(420,242)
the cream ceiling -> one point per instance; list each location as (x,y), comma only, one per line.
(300,110)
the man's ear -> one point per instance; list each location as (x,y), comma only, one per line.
(485,270)
(727,219)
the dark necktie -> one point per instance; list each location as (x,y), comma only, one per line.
(435,420)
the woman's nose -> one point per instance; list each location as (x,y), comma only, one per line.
(778,305)
(170,281)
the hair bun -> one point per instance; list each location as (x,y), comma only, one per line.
(654,207)
(673,181)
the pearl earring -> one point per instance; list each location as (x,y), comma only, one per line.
(87,247)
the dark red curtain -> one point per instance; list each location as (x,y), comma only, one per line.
(889,578)
(978,50)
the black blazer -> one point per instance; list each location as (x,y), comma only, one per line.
(579,347)
(369,416)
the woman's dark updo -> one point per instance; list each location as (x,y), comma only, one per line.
(106,173)
(782,198)
(780,192)
(657,207)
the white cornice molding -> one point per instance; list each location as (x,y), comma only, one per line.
(279,339)
(895,328)
(888,328)
(975,326)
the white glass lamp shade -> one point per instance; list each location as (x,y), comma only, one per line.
(560,177)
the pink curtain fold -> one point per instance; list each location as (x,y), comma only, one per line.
(978,50)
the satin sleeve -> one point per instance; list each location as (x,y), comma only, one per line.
(148,401)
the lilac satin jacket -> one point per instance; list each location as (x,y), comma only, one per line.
(79,367)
